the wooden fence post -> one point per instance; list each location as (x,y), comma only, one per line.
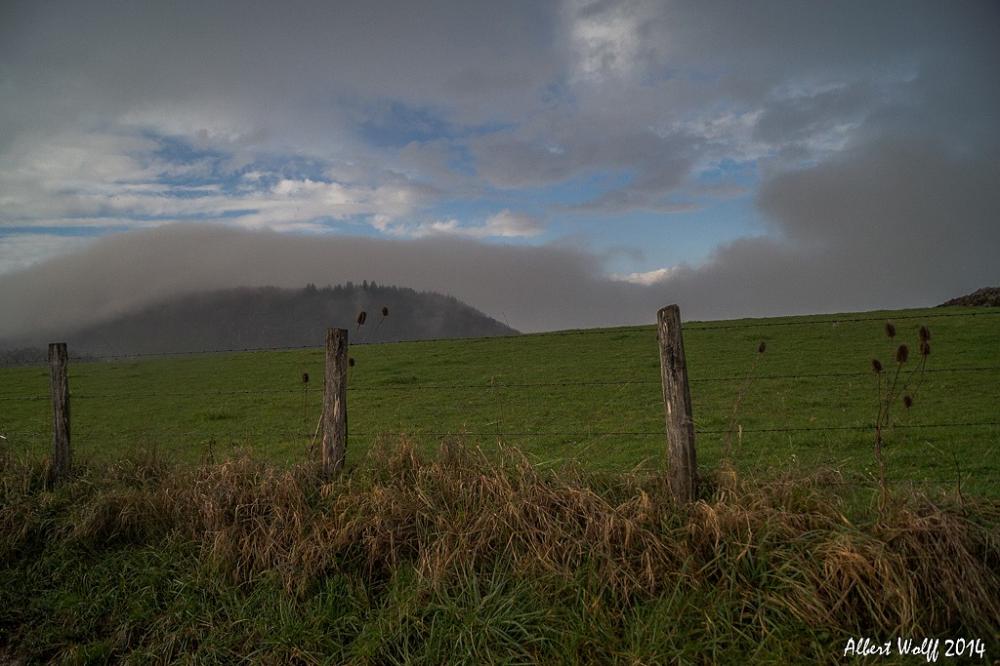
(335,402)
(682,464)
(59,383)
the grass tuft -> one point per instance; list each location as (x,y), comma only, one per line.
(472,558)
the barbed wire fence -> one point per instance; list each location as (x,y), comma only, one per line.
(500,429)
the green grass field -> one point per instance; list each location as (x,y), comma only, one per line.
(543,394)
(469,558)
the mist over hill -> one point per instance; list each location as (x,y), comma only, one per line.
(252,317)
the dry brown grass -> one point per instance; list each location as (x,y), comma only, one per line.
(919,565)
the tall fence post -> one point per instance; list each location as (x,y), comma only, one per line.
(59,383)
(335,402)
(682,464)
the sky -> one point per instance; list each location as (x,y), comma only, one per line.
(554,163)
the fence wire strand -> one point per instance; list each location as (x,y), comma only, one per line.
(582,434)
(577,436)
(482,386)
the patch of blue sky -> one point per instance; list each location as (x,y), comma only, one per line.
(558,92)
(165,217)
(204,171)
(460,160)
(539,202)
(80,231)
(573,191)
(489,201)
(393,124)
(664,239)
(472,213)
(131,218)
(286,167)
(174,149)
(466,211)
(730,172)
(354,225)
(266,172)
(228,214)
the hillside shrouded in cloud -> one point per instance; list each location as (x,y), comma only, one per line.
(738,158)
(537,288)
(529,288)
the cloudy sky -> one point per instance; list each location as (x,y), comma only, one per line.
(738,157)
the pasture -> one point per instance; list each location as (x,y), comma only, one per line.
(590,397)
(501,506)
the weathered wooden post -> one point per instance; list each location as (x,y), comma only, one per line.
(335,402)
(59,383)
(682,464)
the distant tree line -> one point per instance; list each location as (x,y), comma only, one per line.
(27,356)
(275,317)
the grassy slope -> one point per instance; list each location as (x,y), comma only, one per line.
(385,396)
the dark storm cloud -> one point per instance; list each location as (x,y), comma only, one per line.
(273,65)
(894,224)
(762,81)
(907,212)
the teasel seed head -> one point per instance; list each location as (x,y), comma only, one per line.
(361,318)
(890,329)
(350,361)
(925,334)
(925,348)
(305,377)
(385,311)
(902,354)
(876,366)
(907,401)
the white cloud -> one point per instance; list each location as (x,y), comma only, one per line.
(647,278)
(605,44)
(505,224)
(121,180)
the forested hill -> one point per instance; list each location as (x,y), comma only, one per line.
(985,297)
(274,317)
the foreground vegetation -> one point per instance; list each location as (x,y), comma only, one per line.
(476,559)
